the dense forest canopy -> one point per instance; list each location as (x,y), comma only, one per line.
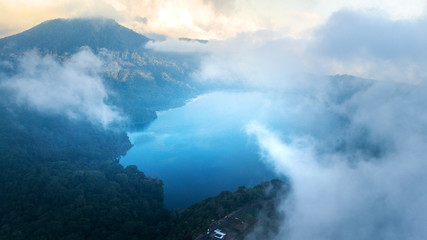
(60,174)
(61,179)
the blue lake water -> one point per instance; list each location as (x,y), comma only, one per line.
(201,149)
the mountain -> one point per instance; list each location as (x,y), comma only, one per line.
(68,35)
(142,81)
(61,176)
(194,40)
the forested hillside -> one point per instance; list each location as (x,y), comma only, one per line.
(61,179)
(197,218)
(140,80)
(61,176)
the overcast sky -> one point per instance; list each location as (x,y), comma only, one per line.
(204,19)
(377,126)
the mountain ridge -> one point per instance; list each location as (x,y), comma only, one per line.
(144,81)
(64,35)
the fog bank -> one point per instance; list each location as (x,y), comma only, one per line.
(73,88)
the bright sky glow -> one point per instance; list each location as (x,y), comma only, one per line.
(203,19)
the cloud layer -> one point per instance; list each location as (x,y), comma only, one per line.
(372,46)
(72,88)
(203,19)
(343,193)
(360,43)
(353,149)
(357,169)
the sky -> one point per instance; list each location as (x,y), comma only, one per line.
(355,155)
(202,19)
(371,39)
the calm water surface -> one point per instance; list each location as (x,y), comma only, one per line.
(202,148)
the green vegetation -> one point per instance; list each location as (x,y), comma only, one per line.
(258,221)
(148,82)
(198,217)
(142,81)
(61,179)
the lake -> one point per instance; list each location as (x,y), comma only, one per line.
(202,148)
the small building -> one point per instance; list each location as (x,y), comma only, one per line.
(219,234)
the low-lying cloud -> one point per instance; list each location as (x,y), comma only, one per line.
(345,195)
(361,43)
(357,168)
(372,46)
(353,149)
(72,88)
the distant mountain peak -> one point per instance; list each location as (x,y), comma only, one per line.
(193,40)
(69,35)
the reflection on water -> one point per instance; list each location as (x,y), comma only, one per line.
(202,148)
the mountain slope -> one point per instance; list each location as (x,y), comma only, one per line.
(142,81)
(68,35)
(61,177)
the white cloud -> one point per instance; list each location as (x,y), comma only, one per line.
(179,46)
(337,196)
(372,46)
(354,150)
(203,19)
(350,42)
(72,88)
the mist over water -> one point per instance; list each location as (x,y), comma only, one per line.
(353,149)
(340,112)
(202,148)
(360,178)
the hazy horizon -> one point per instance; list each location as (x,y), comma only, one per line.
(328,95)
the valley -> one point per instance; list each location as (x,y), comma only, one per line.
(64,175)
